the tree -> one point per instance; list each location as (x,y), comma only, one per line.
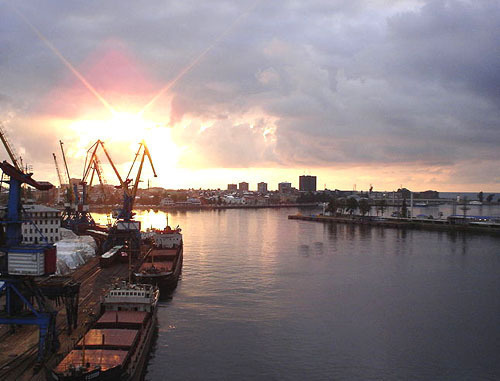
(351,205)
(490,197)
(364,206)
(181,196)
(480,196)
(341,205)
(333,205)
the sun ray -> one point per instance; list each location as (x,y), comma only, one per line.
(193,63)
(65,61)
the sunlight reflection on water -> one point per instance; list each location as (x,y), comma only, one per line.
(264,297)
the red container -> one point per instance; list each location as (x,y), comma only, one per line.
(50,260)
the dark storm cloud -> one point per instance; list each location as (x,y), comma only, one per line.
(344,82)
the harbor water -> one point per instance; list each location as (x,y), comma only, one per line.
(267,298)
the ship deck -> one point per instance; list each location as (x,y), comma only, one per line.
(104,358)
(159,260)
(109,338)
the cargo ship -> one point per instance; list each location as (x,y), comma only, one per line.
(162,264)
(117,345)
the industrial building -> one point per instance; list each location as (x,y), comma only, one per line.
(44,221)
(307,183)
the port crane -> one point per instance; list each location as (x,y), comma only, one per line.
(125,229)
(76,214)
(93,167)
(23,266)
(68,212)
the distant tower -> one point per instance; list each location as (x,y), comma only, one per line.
(307,183)
(262,187)
(285,187)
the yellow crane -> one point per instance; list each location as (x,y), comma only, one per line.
(92,165)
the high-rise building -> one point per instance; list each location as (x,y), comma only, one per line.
(232,187)
(307,183)
(285,187)
(262,187)
(243,187)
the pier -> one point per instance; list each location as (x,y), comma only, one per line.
(405,223)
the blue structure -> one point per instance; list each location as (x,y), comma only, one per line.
(20,290)
(16,290)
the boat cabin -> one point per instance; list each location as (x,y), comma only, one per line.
(131,297)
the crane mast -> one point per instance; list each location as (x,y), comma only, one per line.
(71,194)
(76,215)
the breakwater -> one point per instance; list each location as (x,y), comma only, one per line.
(404,223)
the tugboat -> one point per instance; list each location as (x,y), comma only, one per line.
(162,264)
(117,345)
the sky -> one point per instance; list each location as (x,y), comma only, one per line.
(357,92)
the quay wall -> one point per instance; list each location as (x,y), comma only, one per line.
(401,223)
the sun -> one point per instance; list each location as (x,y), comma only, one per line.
(130,126)
(122,133)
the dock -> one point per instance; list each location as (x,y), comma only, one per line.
(18,350)
(404,223)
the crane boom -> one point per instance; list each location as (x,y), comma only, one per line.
(70,191)
(102,180)
(10,149)
(98,169)
(146,151)
(89,160)
(59,176)
(123,184)
(93,166)
(139,171)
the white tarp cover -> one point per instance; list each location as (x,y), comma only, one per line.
(73,251)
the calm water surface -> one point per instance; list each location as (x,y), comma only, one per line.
(263,297)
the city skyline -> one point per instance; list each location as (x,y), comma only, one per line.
(387,93)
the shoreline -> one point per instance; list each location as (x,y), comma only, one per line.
(206,207)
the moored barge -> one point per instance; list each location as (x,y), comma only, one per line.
(118,344)
(162,264)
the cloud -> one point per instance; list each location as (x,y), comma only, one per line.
(295,84)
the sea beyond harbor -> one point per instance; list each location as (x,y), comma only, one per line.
(264,297)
